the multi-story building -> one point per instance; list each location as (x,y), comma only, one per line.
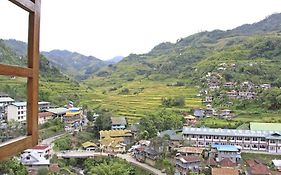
(118,123)
(264,141)
(37,156)
(186,164)
(5,101)
(226,151)
(16,111)
(43,106)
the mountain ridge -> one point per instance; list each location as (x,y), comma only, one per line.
(182,59)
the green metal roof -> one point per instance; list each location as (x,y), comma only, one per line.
(265,126)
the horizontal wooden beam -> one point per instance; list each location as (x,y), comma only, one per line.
(27,5)
(15,71)
(14,146)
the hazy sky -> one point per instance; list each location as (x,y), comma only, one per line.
(108,28)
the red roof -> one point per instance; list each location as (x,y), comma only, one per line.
(224,171)
(211,161)
(252,163)
(226,162)
(45,114)
(256,167)
(40,147)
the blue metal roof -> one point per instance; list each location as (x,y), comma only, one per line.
(225,147)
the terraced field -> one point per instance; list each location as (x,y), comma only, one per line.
(136,105)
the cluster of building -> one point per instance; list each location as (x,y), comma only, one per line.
(13,111)
(255,139)
(244,90)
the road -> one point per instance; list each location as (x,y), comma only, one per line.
(127,157)
(130,159)
(48,141)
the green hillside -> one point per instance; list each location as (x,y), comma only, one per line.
(74,64)
(54,86)
(253,49)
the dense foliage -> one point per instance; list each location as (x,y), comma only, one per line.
(63,143)
(108,166)
(12,167)
(161,120)
(173,101)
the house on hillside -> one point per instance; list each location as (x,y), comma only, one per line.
(58,112)
(89,146)
(232,94)
(226,114)
(265,86)
(118,123)
(256,167)
(226,151)
(225,171)
(115,140)
(17,112)
(5,101)
(247,86)
(198,112)
(151,156)
(229,85)
(73,117)
(43,117)
(190,120)
(186,164)
(43,106)
(36,157)
(190,151)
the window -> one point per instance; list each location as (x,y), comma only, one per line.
(15,146)
(272,141)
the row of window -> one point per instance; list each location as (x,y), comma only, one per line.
(228,138)
(20,117)
(20,112)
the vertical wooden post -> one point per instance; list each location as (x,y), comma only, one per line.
(33,63)
(15,146)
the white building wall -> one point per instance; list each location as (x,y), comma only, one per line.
(17,113)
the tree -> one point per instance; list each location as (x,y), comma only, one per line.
(176,101)
(90,116)
(159,121)
(271,98)
(12,166)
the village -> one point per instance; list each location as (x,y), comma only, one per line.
(190,149)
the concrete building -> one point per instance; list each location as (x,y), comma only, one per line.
(37,156)
(186,164)
(16,111)
(263,141)
(58,112)
(5,101)
(43,106)
(226,151)
(118,123)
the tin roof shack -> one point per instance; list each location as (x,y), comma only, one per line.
(186,164)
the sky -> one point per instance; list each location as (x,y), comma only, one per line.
(108,28)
